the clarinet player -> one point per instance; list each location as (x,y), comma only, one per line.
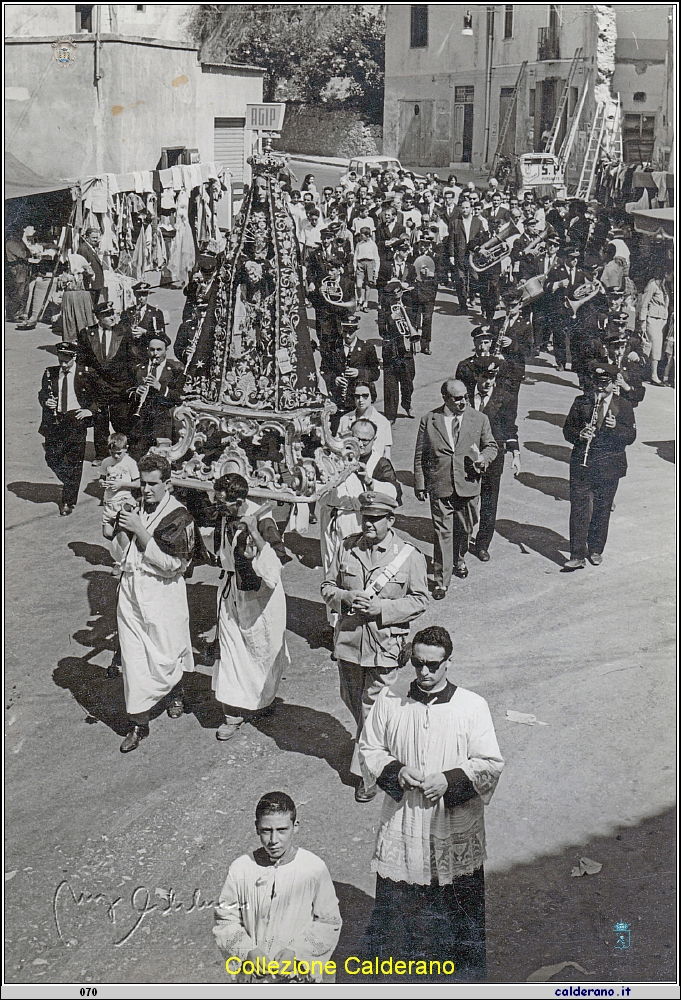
(600,425)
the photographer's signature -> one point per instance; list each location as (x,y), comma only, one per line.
(142,903)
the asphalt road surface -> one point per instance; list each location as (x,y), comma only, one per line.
(112,861)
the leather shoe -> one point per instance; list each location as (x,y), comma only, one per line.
(227,730)
(595,558)
(461,571)
(439,593)
(66,509)
(364,794)
(483,555)
(175,708)
(410,414)
(426,350)
(134,738)
(573,564)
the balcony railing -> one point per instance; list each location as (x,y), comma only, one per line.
(549,44)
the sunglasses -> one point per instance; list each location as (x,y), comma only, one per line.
(432,665)
(455,399)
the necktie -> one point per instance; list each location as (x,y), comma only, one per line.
(64,403)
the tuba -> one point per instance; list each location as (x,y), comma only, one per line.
(494,250)
(537,245)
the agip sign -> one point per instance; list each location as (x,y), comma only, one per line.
(265,117)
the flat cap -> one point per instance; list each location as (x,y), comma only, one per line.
(486,366)
(104,309)
(482,331)
(66,347)
(602,369)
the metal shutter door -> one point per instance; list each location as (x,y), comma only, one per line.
(228,145)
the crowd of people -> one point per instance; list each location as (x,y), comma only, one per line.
(537,275)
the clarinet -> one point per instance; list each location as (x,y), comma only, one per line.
(145,390)
(592,425)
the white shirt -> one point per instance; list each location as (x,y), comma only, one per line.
(481,401)
(71,398)
(384,435)
(453,425)
(466,223)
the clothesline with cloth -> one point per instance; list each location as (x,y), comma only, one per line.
(153,221)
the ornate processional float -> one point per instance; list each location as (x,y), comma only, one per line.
(252,400)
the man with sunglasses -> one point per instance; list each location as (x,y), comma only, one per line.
(435,755)
(455,445)
(376,584)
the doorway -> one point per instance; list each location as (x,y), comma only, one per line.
(462,151)
(416,133)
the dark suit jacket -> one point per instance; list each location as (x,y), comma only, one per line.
(112,375)
(466,372)
(502,214)
(384,472)
(501,411)
(363,357)
(607,458)
(82,385)
(153,320)
(383,234)
(91,256)
(387,272)
(458,245)
(437,468)
(172,383)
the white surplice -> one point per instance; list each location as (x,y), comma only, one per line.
(252,632)
(419,841)
(283,906)
(153,618)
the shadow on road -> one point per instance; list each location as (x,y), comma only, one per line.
(406,478)
(95,555)
(305,549)
(551,486)
(538,915)
(101,697)
(535,537)
(665,449)
(36,492)
(356,908)
(559,452)
(554,380)
(557,419)
(420,528)
(299,729)
(308,620)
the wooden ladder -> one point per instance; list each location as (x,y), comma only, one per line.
(550,145)
(573,125)
(509,114)
(586,178)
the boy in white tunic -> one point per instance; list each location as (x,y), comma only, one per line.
(435,754)
(153,616)
(278,919)
(251,609)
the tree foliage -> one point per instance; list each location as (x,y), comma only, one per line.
(302,47)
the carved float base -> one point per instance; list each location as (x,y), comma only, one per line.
(291,457)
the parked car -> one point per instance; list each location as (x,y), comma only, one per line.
(364,164)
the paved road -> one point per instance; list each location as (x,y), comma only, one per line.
(590,654)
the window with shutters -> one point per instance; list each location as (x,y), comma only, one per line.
(638,138)
(228,145)
(419,26)
(508,21)
(463,95)
(84,17)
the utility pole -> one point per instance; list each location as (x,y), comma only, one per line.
(488,77)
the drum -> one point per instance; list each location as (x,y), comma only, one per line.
(532,289)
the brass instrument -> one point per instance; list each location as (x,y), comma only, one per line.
(330,289)
(410,336)
(538,244)
(532,288)
(494,250)
(583,294)
(591,426)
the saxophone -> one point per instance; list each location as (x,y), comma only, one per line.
(591,426)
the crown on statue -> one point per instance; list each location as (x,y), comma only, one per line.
(267,162)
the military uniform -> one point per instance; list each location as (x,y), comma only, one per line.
(368,647)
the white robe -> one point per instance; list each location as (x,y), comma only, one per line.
(252,633)
(286,906)
(153,618)
(419,840)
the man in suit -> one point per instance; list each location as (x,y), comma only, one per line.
(497,213)
(562,280)
(389,233)
(356,360)
(421,275)
(107,349)
(600,425)
(455,446)
(462,234)
(500,404)
(399,367)
(159,391)
(149,318)
(66,398)
(615,344)
(88,247)
(467,370)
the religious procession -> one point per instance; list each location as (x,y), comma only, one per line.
(284,395)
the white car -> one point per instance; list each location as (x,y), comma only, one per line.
(365,164)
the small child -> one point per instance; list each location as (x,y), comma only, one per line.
(367,263)
(278,919)
(118,475)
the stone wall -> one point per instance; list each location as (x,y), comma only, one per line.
(328,130)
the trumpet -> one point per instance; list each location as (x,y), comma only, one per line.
(591,426)
(583,294)
(538,244)
(494,250)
